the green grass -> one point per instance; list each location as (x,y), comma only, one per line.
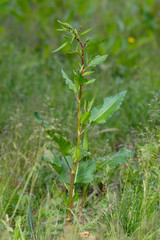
(30,80)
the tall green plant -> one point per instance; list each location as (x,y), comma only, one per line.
(75,165)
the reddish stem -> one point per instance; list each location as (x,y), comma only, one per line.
(68,220)
(80,42)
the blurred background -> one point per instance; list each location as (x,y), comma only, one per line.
(30,80)
(30,72)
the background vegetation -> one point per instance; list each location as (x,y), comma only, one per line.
(32,201)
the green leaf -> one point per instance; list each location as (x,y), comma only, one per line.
(85,105)
(86,141)
(30,221)
(85,117)
(39,119)
(85,172)
(80,79)
(64,145)
(65,174)
(60,166)
(87,73)
(62,29)
(121,157)
(70,84)
(65,24)
(59,48)
(73,37)
(78,154)
(90,104)
(111,104)
(90,81)
(87,31)
(81,69)
(84,153)
(94,43)
(97,60)
(53,160)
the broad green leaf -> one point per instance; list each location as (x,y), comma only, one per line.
(59,48)
(60,166)
(86,141)
(85,171)
(85,117)
(64,145)
(111,104)
(97,60)
(121,157)
(65,174)
(53,160)
(84,153)
(90,81)
(87,31)
(70,84)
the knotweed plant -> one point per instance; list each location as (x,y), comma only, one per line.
(74,165)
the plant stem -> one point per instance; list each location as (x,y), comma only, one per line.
(79,104)
(77,157)
(70,197)
(78,138)
(83,199)
(78,123)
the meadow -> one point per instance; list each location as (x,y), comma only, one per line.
(123,202)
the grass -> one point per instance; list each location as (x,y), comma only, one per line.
(30,80)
